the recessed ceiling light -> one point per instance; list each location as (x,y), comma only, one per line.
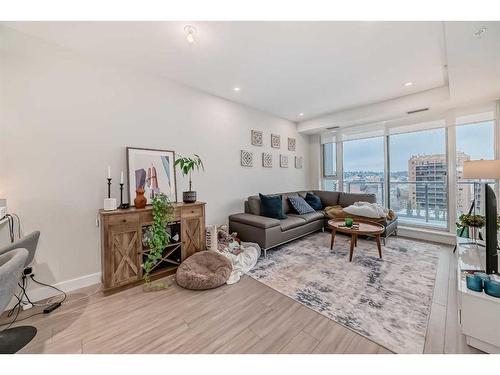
(408,84)
(236,89)
(301,114)
(190,33)
(479,32)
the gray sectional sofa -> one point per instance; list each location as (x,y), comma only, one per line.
(269,233)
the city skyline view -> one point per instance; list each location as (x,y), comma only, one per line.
(367,155)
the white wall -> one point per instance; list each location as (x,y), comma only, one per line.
(63,119)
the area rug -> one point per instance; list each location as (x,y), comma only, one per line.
(387,301)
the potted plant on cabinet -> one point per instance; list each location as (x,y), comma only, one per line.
(187,166)
(158,238)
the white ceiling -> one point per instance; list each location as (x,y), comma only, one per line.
(283,68)
(474,63)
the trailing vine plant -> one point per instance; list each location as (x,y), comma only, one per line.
(157,235)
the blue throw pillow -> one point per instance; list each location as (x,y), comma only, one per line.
(272,206)
(314,201)
(300,205)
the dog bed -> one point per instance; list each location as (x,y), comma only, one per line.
(203,270)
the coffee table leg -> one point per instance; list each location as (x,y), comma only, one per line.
(333,238)
(353,240)
(377,238)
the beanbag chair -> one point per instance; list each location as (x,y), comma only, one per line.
(203,270)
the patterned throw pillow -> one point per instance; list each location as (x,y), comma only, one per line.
(314,201)
(300,205)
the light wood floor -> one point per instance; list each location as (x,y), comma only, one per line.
(247,317)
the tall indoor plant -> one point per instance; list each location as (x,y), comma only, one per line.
(158,238)
(187,166)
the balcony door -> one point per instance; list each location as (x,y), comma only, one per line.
(363,166)
(418,187)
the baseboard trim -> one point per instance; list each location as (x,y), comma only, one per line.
(427,235)
(38,294)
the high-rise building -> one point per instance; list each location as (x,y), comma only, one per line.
(464,191)
(429,173)
(433,170)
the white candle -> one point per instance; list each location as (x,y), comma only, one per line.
(109,171)
(121,178)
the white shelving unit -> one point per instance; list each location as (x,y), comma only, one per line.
(479,313)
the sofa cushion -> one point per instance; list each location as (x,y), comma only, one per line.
(310,217)
(272,206)
(299,205)
(314,201)
(291,222)
(254,220)
(328,198)
(348,199)
(254,205)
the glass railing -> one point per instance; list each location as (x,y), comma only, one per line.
(420,203)
(467,192)
(330,185)
(366,187)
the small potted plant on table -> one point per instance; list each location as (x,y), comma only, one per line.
(187,166)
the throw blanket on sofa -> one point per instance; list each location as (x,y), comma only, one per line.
(365,209)
(361,210)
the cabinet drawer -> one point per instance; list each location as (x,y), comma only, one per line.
(123,219)
(194,211)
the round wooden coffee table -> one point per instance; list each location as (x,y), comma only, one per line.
(366,228)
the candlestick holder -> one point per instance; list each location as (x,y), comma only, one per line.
(122,205)
(109,203)
(109,187)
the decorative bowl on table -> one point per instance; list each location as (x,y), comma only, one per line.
(492,288)
(474,282)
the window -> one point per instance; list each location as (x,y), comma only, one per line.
(411,175)
(330,166)
(473,142)
(329,160)
(418,177)
(364,166)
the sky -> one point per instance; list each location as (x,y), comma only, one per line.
(368,154)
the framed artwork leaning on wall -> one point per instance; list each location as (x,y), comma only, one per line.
(151,170)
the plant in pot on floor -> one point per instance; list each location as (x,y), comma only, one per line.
(158,238)
(187,166)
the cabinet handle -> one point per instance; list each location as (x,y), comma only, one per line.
(124,220)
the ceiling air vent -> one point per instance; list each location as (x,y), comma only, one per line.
(333,127)
(417,110)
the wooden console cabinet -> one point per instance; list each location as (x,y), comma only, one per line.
(123,246)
